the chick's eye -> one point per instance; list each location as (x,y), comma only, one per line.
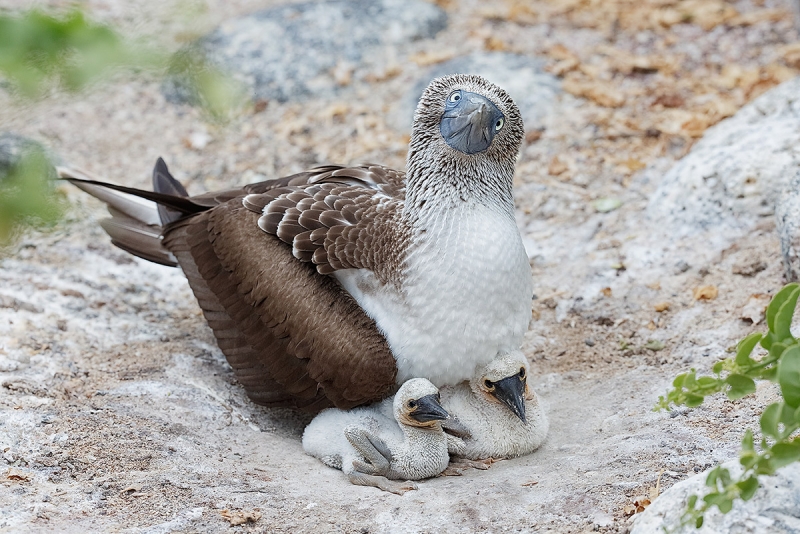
(412,404)
(499,124)
(522,372)
(455,97)
(489,384)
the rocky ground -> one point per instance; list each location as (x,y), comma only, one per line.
(660,136)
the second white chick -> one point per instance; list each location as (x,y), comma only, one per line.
(502,415)
(371,448)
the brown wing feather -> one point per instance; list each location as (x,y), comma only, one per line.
(340,218)
(292,337)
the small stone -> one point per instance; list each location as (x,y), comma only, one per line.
(705,292)
(749,268)
(49,419)
(589,342)
(661,307)
(604,205)
(682,266)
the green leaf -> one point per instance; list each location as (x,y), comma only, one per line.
(717,368)
(745,348)
(725,505)
(783,318)
(678,382)
(690,380)
(789,376)
(777,349)
(780,298)
(693,401)
(764,466)
(699,522)
(706,382)
(718,473)
(767,340)
(692,502)
(747,441)
(740,386)
(747,487)
(770,419)
(748,459)
(785,453)
(770,373)
(655,345)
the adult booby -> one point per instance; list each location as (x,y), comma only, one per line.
(501,413)
(433,260)
(375,450)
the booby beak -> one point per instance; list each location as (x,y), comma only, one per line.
(429,409)
(470,122)
(511,391)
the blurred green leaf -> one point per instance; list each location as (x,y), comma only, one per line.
(38,50)
(785,454)
(26,194)
(201,83)
(777,302)
(745,348)
(740,386)
(789,376)
(748,487)
(770,419)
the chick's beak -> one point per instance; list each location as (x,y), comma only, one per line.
(511,392)
(429,409)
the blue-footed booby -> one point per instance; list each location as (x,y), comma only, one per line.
(335,285)
(375,450)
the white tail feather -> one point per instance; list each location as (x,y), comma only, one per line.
(142,210)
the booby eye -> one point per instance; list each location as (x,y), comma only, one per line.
(489,384)
(455,97)
(522,373)
(499,124)
(412,404)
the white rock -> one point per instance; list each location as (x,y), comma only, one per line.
(774,509)
(736,172)
(787,213)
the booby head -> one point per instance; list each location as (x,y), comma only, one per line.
(470,121)
(417,403)
(467,134)
(505,380)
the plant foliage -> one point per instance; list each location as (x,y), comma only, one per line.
(26,193)
(40,52)
(736,376)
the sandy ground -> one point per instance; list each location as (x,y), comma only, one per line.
(118,412)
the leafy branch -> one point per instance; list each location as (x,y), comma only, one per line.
(736,376)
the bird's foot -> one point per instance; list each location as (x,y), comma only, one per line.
(398,487)
(376,454)
(483,464)
(457,466)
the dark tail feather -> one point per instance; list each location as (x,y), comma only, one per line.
(180,204)
(137,215)
(139,239)
(164,183)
